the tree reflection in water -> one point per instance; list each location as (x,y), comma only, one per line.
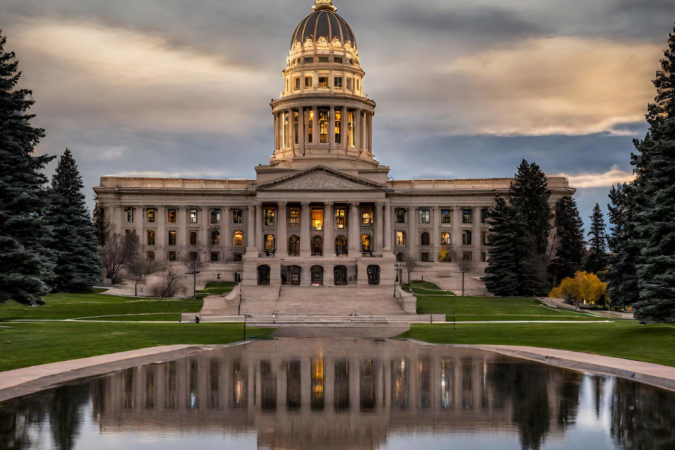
(343,394)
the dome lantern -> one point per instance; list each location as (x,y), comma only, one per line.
(324,4)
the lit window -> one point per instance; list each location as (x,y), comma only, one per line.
(466,237)
(172,238)
(425,216)
(269,243)
(193,216)
(446,217)
(215,237)
(400,214)
(366,215)
(337,82)
(341,218)
(323,82)
(269,215)
(193,238)
(366,243)
(308,82)
(294,246)
(129,215)
(238,239)
(215,216)
(151,237)
(297,84)
(237,216)
(171,216)
(400,238)
(338,126)
(294,218)
(287,130)
(323,126)
(151,215)
(172,256)
(445,238)
(296,126)
(352,128)
(310,127)
(215,256)
(317,219)
(467,216)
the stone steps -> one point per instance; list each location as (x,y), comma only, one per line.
(321,320)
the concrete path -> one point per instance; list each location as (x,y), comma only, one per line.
(648,373)
(373,332)
(558,303)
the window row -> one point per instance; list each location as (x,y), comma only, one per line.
(193,238)
(192,215)
(323,82)
(424,217)
(446,238)
(321,59)
(172,256)
(323,122)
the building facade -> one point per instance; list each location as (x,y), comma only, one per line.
(323,211)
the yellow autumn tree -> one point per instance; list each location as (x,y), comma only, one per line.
(585,287)
(444,255)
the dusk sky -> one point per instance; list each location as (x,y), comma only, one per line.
(465,88)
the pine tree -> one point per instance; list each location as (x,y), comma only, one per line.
(78,265)
(26,266)
(569,245)
(622,283)
(529,194)
(597,260)
(502,272)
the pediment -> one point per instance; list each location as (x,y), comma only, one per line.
(321,179)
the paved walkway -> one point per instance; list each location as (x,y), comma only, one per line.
(372,331)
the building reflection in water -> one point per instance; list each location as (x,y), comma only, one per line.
(347,394)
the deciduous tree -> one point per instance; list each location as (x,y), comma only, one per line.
(116,252)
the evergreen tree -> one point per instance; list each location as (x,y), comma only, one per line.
(597,260)
(78,265)
(622,283)
(502,272)
(530,195)
(26,266)
(569,245)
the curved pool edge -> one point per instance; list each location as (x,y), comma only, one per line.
(656,375)
(30,380)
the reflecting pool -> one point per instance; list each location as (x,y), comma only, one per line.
(343,394)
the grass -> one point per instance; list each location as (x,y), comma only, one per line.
(30,344)
(218,288)
(620,339)
(74,306)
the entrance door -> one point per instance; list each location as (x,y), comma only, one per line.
(264,275)
(340,276)
(373,275)
(294,275)
(317,276)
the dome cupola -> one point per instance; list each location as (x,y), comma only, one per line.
(324,23)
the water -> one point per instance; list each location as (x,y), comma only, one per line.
(343,394)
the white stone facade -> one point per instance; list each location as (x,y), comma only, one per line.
(323,211)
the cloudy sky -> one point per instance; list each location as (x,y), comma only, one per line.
(465,88)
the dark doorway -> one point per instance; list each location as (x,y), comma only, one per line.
(264,276)
(373,275)
(294,275)
(426,239)
(340,275)
(317,276)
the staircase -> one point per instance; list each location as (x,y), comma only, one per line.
(342,301)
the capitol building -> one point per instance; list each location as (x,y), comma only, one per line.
(324,210)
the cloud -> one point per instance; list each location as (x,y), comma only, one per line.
(597,180)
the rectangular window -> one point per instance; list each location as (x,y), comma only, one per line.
(341,218)
(151,215)
(351,123)
(129,215)
(297,83)
(445,238)
(194,216)
(172,238)
(172,216)
(269,215)
(425,257)
(215,237)
(308,82)
(237,257)
(237,216)
(215,216)
(467,216)
(215,256)
(151,237)
(483,215)
(309,60)
(366,216)
(466,237)
(324,59)
(172,257)
(193,238)
(310,127)
(400,238)
(294,217)
(425,216)
(337,82)
(350,83)
(337,60)
(270,245)
(317,219)
(338,126)
(287,131)
(400,214)
(323,126)
(446,217)
(323,82)
(296,126)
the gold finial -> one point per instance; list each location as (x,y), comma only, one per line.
(323,4)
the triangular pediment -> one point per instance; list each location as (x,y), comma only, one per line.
(320,178)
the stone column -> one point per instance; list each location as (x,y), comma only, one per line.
(276,132)
(354,230)
(182,228)
(413,218)
(160,239)
(259,238)
(387,227)
(370,133)
(345,129)
(359,130)
(436,237)
(225,232)
(331,127)
(456,230)
(282,238)
(204,225)
(364,134)
(379,227)
(305,224)
(315,124)
(328,227)
(250,233)
(291,129)
(139,217)
(301,128)
(476,239)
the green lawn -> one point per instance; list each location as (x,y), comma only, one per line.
(30,344)
(74,306)
(218,288)
(621,339)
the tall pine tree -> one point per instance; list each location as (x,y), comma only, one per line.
(501,275)
(78,265)
(569,250)
(26,265)
(597,260)
(529,194)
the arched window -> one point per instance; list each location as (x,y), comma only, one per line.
(215,237)
(341,245)
(264,275)
(366,243)
(425,238)
(238,239)
(317,276)
(317,246)
(193,238)
(340,275)
(173,237)
(269,243)
(294,246)
(373,275)
(445,238)
(294,273)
